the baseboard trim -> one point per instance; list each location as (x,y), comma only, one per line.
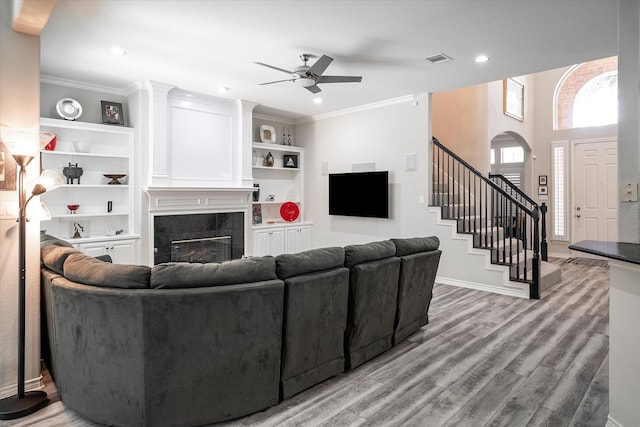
(29,385)
(513,291)
(612,423)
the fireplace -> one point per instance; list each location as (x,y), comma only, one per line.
(209,249)
(210,237)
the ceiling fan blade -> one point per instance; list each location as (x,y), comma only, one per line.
(275,68)
(340,79)
(313,89)
(320,65)
(277,81)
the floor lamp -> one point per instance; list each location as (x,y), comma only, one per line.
(18,142)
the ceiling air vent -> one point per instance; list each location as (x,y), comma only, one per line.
(438,58)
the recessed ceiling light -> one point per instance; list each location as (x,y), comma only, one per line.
(223,89)
(317,100)
(481,58)
(117,51)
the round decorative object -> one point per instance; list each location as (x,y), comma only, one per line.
(114,178)
(73,208)
(289,211)
(69,109)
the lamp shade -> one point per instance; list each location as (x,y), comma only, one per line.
(48,180)
(20,141)
(39,212)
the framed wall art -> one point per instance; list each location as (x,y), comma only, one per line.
(290,161)
(542,179)
(543,190)
(513,99)
(7,169)
(112,113)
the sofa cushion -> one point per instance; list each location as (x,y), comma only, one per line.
(357,254)
(173,275)
(415,244)
(53,256)
(82,268)
(290,265)
(47,239)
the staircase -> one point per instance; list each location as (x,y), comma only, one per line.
(497,220)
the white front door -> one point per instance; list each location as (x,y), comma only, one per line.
(595,195)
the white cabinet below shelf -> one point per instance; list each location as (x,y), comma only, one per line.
(268,241)
(298,239)
(281,238)
(120,251)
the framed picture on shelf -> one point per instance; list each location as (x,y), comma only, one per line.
(290,161)
(112,113)
(542,180)
(256,217)
(543,190)
(513,99)
(7,169)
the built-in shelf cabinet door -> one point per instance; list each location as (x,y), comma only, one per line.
(298,239)
(120,251)
(269,241)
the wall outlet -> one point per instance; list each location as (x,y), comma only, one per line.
(629,192)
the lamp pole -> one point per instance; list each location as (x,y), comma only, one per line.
(24,403)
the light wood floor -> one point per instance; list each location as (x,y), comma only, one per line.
(484,360)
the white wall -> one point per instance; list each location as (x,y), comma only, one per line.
(20,107)
(460,122)
(624,351)
(384,134)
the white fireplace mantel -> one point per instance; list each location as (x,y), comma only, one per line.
(176,200)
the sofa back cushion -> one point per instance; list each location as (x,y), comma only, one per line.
(81,268)
(358,254)
(314,260)
(53,256)
(174,275)
(415,244)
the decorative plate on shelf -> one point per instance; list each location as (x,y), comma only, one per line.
(289,211)
(268,134)
(69,109)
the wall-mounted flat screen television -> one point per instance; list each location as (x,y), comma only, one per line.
(364,194)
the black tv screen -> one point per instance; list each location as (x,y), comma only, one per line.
(363,194)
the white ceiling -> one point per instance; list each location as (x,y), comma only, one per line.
(198,45)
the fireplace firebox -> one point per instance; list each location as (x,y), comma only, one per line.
(212,237)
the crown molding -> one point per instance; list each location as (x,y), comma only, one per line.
(360,108)
(82,85)
(269,118)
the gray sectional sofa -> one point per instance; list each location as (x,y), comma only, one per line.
(182,344)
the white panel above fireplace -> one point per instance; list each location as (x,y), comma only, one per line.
(201,143)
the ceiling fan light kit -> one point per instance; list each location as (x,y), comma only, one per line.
(310,76)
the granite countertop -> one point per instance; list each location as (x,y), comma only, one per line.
(629,252)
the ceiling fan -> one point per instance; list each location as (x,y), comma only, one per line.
(310,76)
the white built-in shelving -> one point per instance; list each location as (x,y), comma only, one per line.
(110,152)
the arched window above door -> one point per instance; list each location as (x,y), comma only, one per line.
(587,95)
